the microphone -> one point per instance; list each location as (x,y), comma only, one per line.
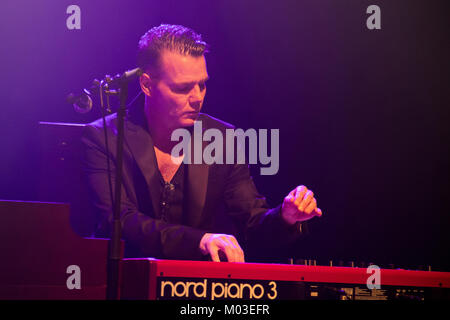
(81,103)
(125,77)
(131,74)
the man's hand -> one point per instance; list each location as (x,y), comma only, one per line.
(213,243)
(300,205)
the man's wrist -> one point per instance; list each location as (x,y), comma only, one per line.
(292,224)
(288,220)
(203,241)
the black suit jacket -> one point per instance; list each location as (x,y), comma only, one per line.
(218,198)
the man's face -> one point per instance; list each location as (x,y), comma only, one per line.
(177,96)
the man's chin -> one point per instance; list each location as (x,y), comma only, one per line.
(187,123)
(189,120)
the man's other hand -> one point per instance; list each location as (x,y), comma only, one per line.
(213,243)
(300,205)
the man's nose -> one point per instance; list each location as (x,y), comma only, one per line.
(197,95)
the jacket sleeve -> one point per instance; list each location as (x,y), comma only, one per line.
(265,231)
(143,235)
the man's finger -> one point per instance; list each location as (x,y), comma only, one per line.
(240,252)
(237,253)
(230,253)
(227,247)
(312,205)
(317,212)
(300,193)
(292,193)
(309,193)
(306,200)
(291,196)
(214,253)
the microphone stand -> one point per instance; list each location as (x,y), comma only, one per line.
(115,243)
(115,252)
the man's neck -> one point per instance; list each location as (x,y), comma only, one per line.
(160,132)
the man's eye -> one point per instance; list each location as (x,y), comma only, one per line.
(182,89)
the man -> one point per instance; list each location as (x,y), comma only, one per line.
(172,209)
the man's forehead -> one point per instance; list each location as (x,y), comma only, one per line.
(182,68)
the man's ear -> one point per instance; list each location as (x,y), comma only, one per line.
(146,84)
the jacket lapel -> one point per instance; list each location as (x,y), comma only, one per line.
(195,185)
(140,144)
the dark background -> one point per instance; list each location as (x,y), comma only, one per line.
(363,114)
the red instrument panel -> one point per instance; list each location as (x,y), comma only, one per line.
(42,258)
(171,279)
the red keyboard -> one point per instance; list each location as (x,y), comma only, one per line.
(171,279)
